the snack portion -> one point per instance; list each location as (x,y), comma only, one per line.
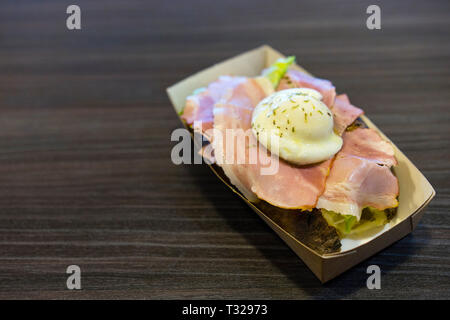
(326,164)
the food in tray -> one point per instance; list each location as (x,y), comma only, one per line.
(329,164)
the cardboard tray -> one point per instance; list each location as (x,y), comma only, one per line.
(415,190)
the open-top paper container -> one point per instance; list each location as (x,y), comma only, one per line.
(415,190)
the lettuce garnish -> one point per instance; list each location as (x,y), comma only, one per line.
(348,225)
(277,70)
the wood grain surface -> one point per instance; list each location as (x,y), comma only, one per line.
(85,123)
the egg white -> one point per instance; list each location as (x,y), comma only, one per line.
(297,126)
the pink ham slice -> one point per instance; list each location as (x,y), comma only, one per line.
(367,144)
(344,113)
(360,176)
(298,79)
(290,187)
(200,107)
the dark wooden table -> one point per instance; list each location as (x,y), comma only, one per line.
(85,124)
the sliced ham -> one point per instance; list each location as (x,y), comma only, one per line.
(369,145)
(199,107)
(290,187)
(298,79)
(361,176)
(344,113)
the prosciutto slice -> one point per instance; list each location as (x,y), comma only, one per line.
(360,176)
(199,107)
(290,187)
(344,113)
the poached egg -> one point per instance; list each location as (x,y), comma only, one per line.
(297,126)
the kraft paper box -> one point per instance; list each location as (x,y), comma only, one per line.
(415,190)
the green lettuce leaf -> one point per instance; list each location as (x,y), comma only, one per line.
(348,225)
(277,70)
